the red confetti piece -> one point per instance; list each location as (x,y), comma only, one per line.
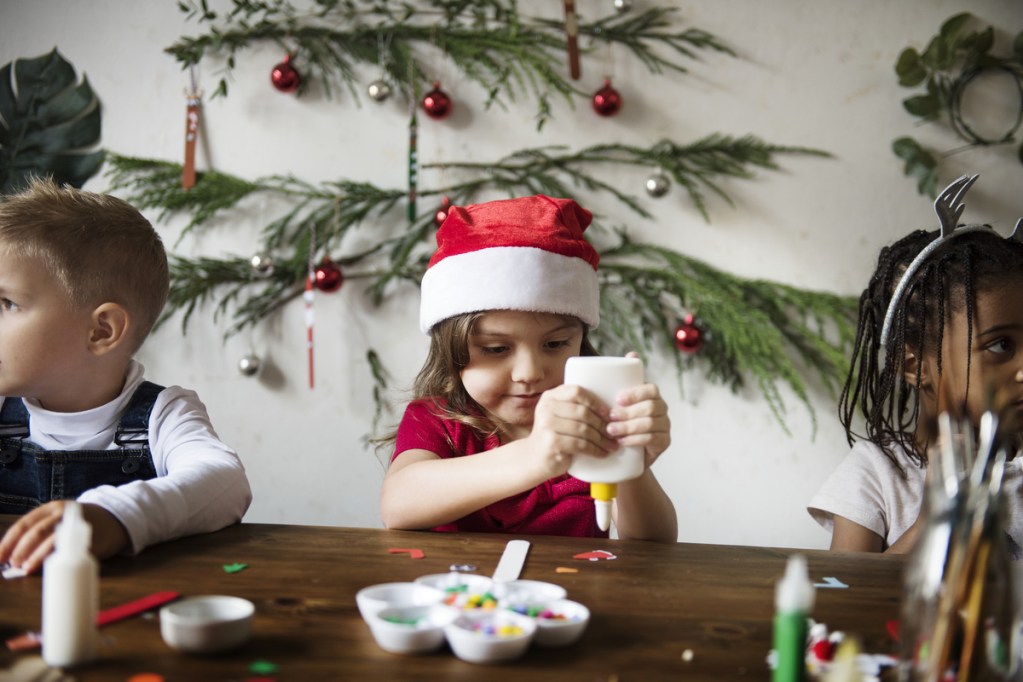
(596,555)
(413,553)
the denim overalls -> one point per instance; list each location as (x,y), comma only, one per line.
(31,476)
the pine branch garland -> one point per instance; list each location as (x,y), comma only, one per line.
(507,54)
(759,329)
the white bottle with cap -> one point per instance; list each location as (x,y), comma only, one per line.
(606,377)
(70,593)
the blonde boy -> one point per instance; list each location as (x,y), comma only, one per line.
(83,278)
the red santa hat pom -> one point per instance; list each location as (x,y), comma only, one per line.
(514,254)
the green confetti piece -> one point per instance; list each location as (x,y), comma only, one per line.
(262,667)
(234,568)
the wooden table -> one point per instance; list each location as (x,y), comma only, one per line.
(648,606)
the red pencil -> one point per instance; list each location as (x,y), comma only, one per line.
(33,640)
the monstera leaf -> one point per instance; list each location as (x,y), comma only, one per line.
(47,123)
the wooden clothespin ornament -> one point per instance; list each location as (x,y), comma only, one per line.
(194,97)
(572,36)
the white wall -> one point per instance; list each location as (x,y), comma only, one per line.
(810,73)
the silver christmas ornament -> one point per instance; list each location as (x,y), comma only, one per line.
(263,264)
(379,90)
(657,185)
(623,6)
(249,365)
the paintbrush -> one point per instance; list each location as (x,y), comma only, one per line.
(968,556)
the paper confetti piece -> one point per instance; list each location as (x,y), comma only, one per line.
(235,568)
(831,583)
(596,555)
(565,569)
(12,571)
(413,553)
(29,640)
(263,667)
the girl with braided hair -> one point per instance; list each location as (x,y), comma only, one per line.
(940,320)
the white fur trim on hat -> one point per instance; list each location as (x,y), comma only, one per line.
(509,278)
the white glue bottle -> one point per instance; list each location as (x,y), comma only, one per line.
(606,377)
(70,593)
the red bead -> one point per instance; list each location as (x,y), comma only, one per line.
(607,101)
(688,337)
(285,77)
(327,276)
(436,103)
(823,650)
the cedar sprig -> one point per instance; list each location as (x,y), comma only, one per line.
(157,185)
(637,31)
(694,166)
(766,331)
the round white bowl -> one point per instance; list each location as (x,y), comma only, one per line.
(410,629)
(459,589)
(480,636)
(376,597)
(206,624)
(561,623)
(520,594)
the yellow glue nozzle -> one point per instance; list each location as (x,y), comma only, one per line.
(604,492)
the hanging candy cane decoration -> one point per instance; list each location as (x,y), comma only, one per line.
(194,96)
(308,296)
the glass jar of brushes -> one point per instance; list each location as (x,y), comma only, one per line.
(961,614)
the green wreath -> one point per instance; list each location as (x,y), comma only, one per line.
(952,61)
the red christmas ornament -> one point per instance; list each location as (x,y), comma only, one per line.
(607,101)
(285,77)
(327,276)
(442,213)
(688,336)
(436,103)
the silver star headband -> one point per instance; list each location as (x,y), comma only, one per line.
(949,206)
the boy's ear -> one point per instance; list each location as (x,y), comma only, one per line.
(109,328)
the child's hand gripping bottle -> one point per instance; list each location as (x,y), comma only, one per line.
(606,377)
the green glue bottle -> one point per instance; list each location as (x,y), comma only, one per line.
(793,602)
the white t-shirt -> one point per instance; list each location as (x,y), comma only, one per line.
(200,483)
(868,489)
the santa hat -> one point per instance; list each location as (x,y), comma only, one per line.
(514,254)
